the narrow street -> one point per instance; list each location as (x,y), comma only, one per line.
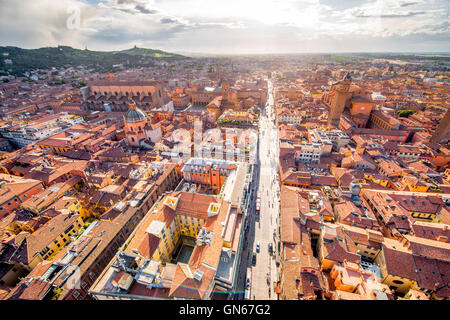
(263,228)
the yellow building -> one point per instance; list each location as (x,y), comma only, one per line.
(414,184)
(396,275)
(180,242)
(378,179)
(367,242)
(71,204)
(40,202)
(415,263)
(384,121)
(100,180)
(351,277)
(44,243)
(65,205)
(170,222)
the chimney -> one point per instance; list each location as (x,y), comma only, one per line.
(405,243)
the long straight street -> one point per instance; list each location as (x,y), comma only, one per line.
(263,227)
(265,273)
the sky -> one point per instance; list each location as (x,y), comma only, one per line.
(229,26)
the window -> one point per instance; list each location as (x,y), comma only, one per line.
(68,229)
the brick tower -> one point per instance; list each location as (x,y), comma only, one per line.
(442,133)
(337,97)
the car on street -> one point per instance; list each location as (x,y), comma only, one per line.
(257,247)
(254,259)
(247,284)
(270,248)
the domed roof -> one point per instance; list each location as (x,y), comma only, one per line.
(134,114)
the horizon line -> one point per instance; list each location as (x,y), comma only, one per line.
(241,53)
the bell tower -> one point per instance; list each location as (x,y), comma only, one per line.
(225,90)
(442,133)
(338,97)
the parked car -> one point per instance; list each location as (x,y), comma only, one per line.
(254,259)
(270,248)
(257,246)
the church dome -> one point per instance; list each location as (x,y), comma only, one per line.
(134,114)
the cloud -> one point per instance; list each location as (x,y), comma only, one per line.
(407,4)
(340,5)
(363,14)
(29,23)
(129,6)
(144,10)
(168,20)
(232,26)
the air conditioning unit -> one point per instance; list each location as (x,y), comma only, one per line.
(198,275)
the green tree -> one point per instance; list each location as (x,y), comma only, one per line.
(405,113)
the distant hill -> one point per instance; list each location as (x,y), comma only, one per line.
(24,60)
(148,53)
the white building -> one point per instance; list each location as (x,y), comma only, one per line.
(335,137)
(30,133)
(309,152)
(377,96)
